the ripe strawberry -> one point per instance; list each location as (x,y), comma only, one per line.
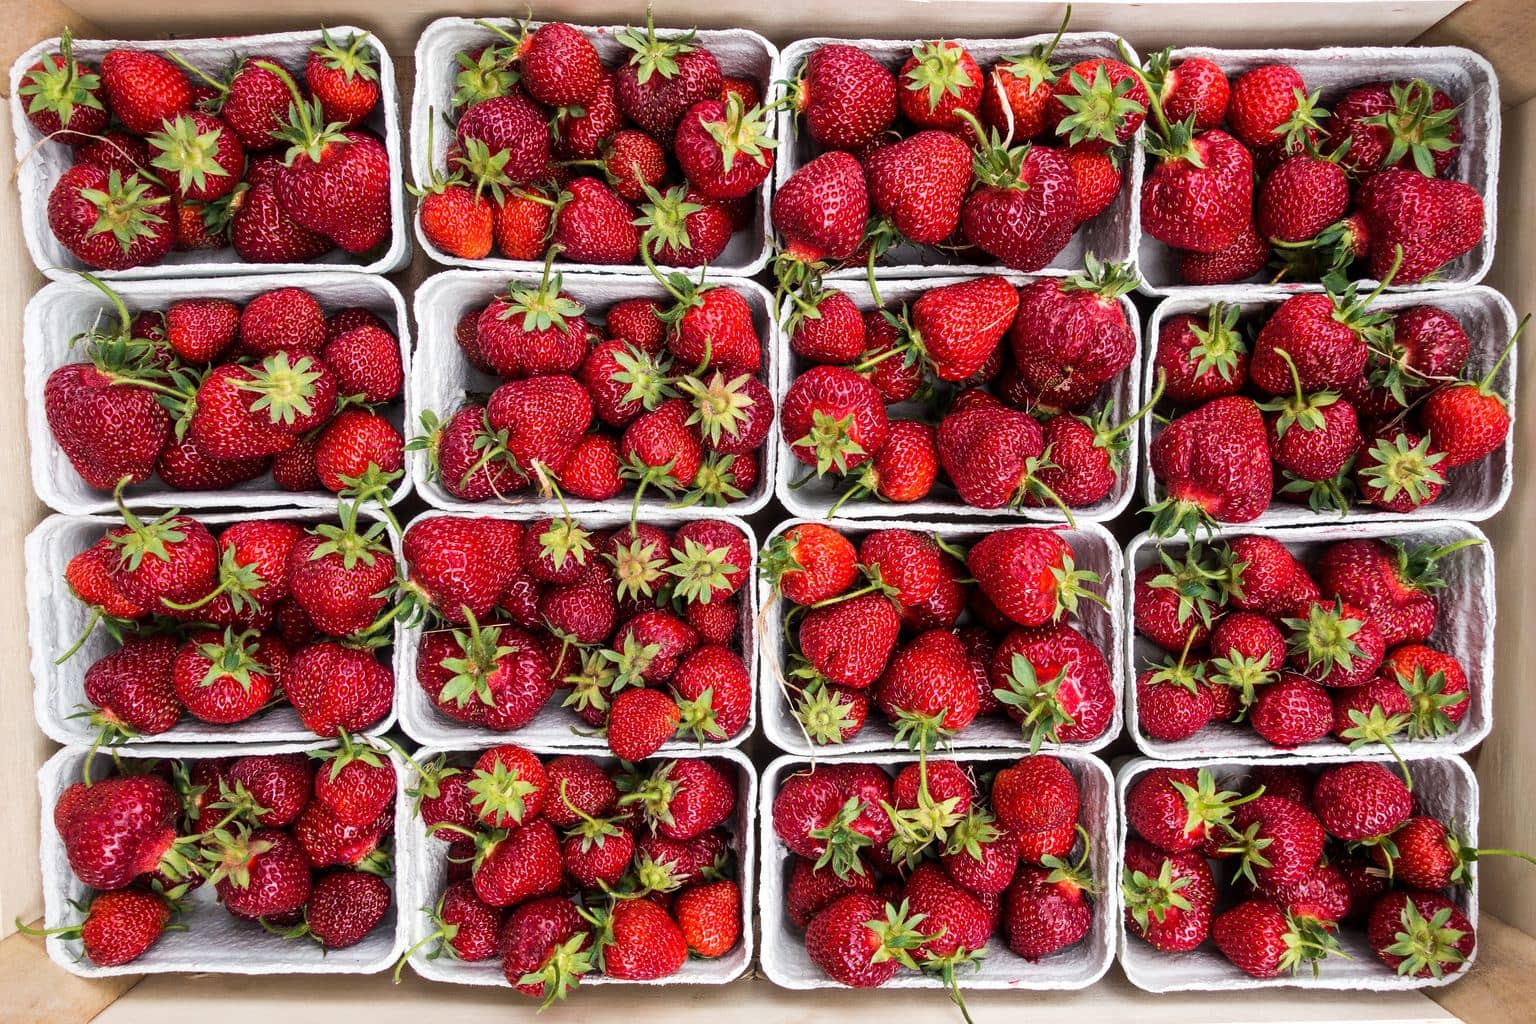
(511,867)
(261,231)
(595,225)
(640,721)
(511,124)
(1202,358)
(341,76)
(1420,934)
(1049,908)
(332,181)
(114,150)
(168,561)
(1018,89)
(637,940)
(1169,898)
(1468,420)
(1055,682)
(1242,258)
(521,227)
(1291,711)
(937,80)
(1431,221)
(663,78)
(335,687)
(821,210)
(1311,437)
(202,153)
(1277,842)
(1263,941)
(1196,88)
(64,96)
(991,453)
(1270,109)
(1394,584)
(1300,198)
(533,330)
(723,148)
(1179,809)
(926,690)
(279,785)
(1173,703)
(118,927)
(1435,685)
(1361,800)
(1199,196)
(200,330)
(1029,574)
(1098,179)
(545,948)
(254,103)
(344,906)
(1203,461)
(109,220)
(684,227)
(919,185)
(861,942)
(810,563)
(260,874)
(846,96)
(1397,124)
(108,429)
(833,419)
(144,89)
(1072,337)
(712,327)
(957,327)
(684,799)
(227,678)
(1025,209)
(132,689)
(1399,471)
(356,782)
(366,362)
(1097,104)
(709,917)
(849,642)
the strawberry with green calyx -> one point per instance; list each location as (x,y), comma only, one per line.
(334,181)
(1018,89)
(535,328)
(939,82)
(1086,455)
(723,149)
(1399,124)
(679,229)
(456,218)
(1311,437)
(355,781)
(1334,643)
(1024,208)
(1468,421)
(827,714)
(927,822)
(483,74)
(1204,462)
(63,96)
(203,155)
(1265,942)
(117,927)
(733,413)
(1099,103)
(463,928)
(712,325)
(861,942)
(111,221)
(342,78)
(1400,471)
(1203,360)
(1420,934)
(663,78)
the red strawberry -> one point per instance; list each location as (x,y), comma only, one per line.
(663,78)
(344,906)
(1029,574)
(1179,810)
(1400,471)
(545,948)
(132,688)
(1048,908)
(640,721)
(168,561)
(1071,338)
(280,784)
(261,230)
(1024,210)
(1196,88)
(1173,703)
(1202,357)
(1270,108)
(255,102)
(1098,179)
(926,690)
(1300,198)
(595,225)
(833,419)
(723,148)
(1468,420)
(1199,196)
(846,96)
(511,867)
(144,89)
(111,221)
(199,330)
(958,326)
(113,150)
(119,927)
(919,184)
(1361,800)
(1435,685)
(821,210)
(684,228)
(991,453)
(1097,104)
(1263,941)
(465,456)
(119,828)
(109,430)
(826,327)
(1392,583)
(341,76)
(1291,711)
(809,563)
(709,917)
(637,940)
(849,642)
(1055,682)
(1420,934)
(684,799)
(1311,437)
(1018,89)
(366,362)
(335,687)
(227,678)
(1169,898)
(1277,841)
(1241,259)
(906,466)
(1432,221)
(862,943)
(202,153)
(1203,461)
(1397,124)
(508,786)
(938,79)
(64,96)
(356,782)
(712,327)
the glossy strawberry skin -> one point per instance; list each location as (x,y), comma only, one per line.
(1200,209)
(846,96)
(107,431)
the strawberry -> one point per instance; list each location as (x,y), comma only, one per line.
(64,96)
(833,419)
(809,563)
(1277,841)
(344,906)
(640,721)
(1169,898)
(906,466)
(227,678)
(712,327)
(1361,800)
(683,799)
(461,566)
(333,181)
(132,689)
(846,96)
(1270,108)
(1324,336)
(937,80)
(356,782)
(663,78)
(991,453)
(1311,437)
(1195,88)
(637,940)
(118,927)
(170,560)
(110,430)
(1435,685)
(1097,177)
(1291,711)
(366,362)
(511,124)
(1049,908)
(1263,941)
(144,89)
(1399,471)
(909,565)
(709,917)
(1199,196)
(1431,221)
(1029,574)
(455,218)
(1071,337)
(595,225)
(535,329)
(1018,89)
(724,149)
(261,231)
(113,150)
(862,943)
(1025,209)
(200,330)
(919,185)
(341,76)
(1394,584)
(1241,259)
(684,228)
(1397,124)
(1179,810)
(335,687)
(1173,703)
(957,327)
(542,417)
(849,642)
(110,220)
(1097,104)
(119,828)
(511,867)
(254,103)
(1203,461)
(1468,420)
(342,576)
(278,785)
(466,457)
(1420,934)
(508,786)
(545,948)
(820,211)
(632,162)
(1202,358)
(926,690)
(204,155)
(1055,682)
(260,874)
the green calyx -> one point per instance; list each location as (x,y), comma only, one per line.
(652,56)
(639,568)
(939,69)
(898,935)
(232,656)
(1325,636)
(631,661)
(563,540)
(1426,944)
(125,209)
(825,715)
(284,390)
(1334,494)
(543,307)
(1243,674)
(481,651)
(1296,132)
(190,154)
(61,87)
(1428,718)
(1097,108)
(343,540)
(1107,280)
(1415,127)
(1399,465)
(1041,714)
(592,685)
(1219,345)
(663,220)
(304,128)
(1149,899)
(720,406)
(741,133)
(1195,580)
(701,570)
(491,74)
(1208,808)
(1298,409)
(353,60)
(501,793)
(831,440)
